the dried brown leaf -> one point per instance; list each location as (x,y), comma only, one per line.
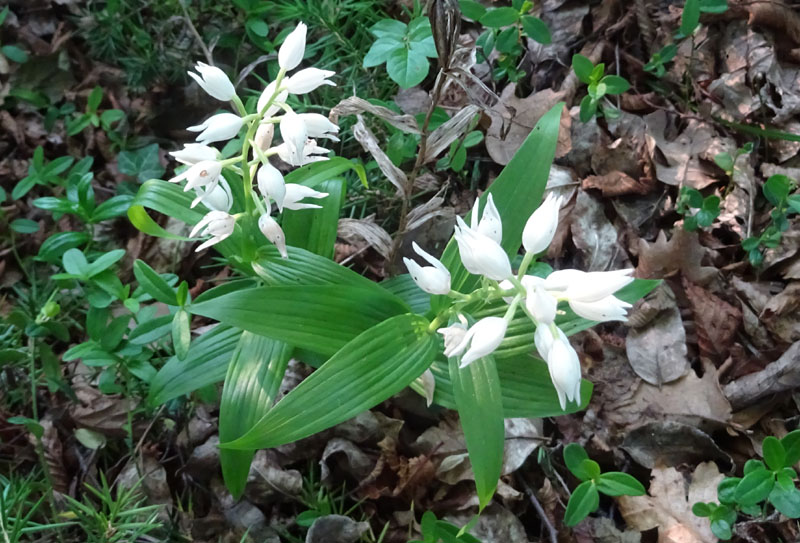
(716,321)
(618,183)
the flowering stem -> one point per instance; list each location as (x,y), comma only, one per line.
(512,308)
(526,262)
(239,105)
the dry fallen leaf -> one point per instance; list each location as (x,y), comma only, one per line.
(617,183)
(595,236)
(669,505)
(682,252)
(716,321)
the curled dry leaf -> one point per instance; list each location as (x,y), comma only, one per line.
(667,443)
(441,138)
(716,321)
(594,235)
(669,505)
(427,211)
(618,183)
(366,230)
(355,105)
(682,252)
(348,457)
(370,144)
(101,413)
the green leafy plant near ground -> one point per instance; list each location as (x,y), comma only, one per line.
(777,190)
(506,27)
(585,499)
(440,531)
(14,53)
(727,161)
(706,209)
(404,48)
(599,85)
(764,486)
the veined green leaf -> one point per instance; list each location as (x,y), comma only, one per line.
(406,289)
(315,229)
(320,318)
(251,386)
(517,192)
(205,363)
(315,173)
(480,407)
(371,368)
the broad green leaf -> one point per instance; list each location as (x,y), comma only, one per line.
(407,67)
(471,9)
(726,490)
(583,68)
(105,261)
(701,510)
(615,483)
(536,29)
(404,287)
(75,262)
(113,207)
(371,368)
(164,197)
(574,455)
(315,229)
(615,84)
(153,284)
(690,18)
(791,444)
(205,363)
(380,51)
(318,318)
(315,173)
(517,192)
(584,501)
(480,408)
(143,163)
(389,28)
(755,487)
(15,54)
(24,226)
(497,17)
(151,330)
(251,386)
(786,500)
(774,453)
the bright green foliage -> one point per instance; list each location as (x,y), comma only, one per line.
(505,29)
(659,60)
(440,531)
(707,208)
(12,52)
(727,161)
(456,157)
(599,85)
(586,497)
(690,19)
(404,48)
(142,163)
(766,484)
(19,508)
(777,190)
(91,116)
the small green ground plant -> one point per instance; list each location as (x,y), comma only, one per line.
(599,85)
(778,192)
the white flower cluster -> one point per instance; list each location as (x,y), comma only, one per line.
(589,294)
(299,146)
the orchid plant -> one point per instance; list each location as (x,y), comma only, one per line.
(461,329)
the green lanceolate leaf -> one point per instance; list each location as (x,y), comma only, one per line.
(251,386)
(774,453)
(181,333)
(205,363)
(584,501)
(615,483)
(153,284)
(369,369)
(574,455)
(480,408)
(315,229)
(690,18)
(318,318)
(517,191)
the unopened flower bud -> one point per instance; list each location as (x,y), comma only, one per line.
(293,48)
(271,184)
(433,279)
(214,81)
(273,232)
(264,136)
(220,127)
(541,226)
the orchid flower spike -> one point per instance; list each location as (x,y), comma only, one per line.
(433,279)
(294,134)
(216,198)
(220,127)
(482,338)
(296,192)
(205,173)
(293,48)
(490,224)
(263,100)
(308,80)
(453,335)
(480,254)
(562,362)
(318,126)
(273,232)
(192,153)
(217,224)
(542,224)
(271,184)
(214,81)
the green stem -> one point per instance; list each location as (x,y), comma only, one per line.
(526,262)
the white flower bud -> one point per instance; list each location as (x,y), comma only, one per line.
(214,81)
(605,309)
(294,134)
(192,153)
(565,370)
(480,254)
(296,192)
(308,80)
(540,304)
(263,100)
(217,224)
(293,48)
(453,335)
(318,126)
(271,184)
(273,232)
(582,286)
(204,173)
(264,135)
(541,226)
(483,338)
(433,279)
(216,198)
(220,127)
(490,224)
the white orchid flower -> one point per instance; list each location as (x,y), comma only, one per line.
(318,126)
(580,286)
(308,80)
(217,224)
(214,81)
(263,100)
(562,362)
(274,233)
(192,153)
(296,192)
(482,339)
(216,198)
(542,224)
(539,303)
(480,254)
(271,184)
(490,224)
(310,152)
(205,173)
(293,48)
(453,335)
(433,279)
(605,309)
(220,127)
(295,135)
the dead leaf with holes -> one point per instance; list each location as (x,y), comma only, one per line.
(669,504)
